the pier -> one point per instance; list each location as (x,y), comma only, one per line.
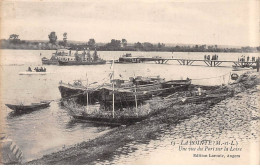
(211,63)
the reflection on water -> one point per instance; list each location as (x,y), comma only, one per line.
(47,130)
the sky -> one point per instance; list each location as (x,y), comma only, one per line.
(221,22)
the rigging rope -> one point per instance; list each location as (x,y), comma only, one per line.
(212,77)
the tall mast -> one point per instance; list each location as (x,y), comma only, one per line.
(87,92)
(135,99)
(113,90)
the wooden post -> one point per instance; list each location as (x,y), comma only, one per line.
(136,102)
(87,101)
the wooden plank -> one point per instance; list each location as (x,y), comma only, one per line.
(179,62)
(207,63)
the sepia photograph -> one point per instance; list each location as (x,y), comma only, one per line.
(136,82)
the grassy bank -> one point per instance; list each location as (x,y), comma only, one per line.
(104,146)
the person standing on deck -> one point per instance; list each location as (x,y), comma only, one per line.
(241,59)
(248,58)
(84,55)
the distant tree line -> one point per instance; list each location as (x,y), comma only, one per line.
(114,45)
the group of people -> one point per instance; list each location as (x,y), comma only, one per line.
(214,57)
(37,69)
(246,59)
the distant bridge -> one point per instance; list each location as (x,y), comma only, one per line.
(211,63)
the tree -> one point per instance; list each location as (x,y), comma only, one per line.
(138,46)
(14,38)
(91,43)
(124,42)
(148,46)
(113,45)
(53,38)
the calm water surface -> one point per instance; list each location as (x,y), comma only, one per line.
(52,129)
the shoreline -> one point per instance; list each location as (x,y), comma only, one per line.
(103,147)
(143,51)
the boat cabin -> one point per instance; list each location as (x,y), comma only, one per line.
(62,52)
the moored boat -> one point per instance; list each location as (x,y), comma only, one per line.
(59,54)
(31,107)
(99,115)
(79,91)
(74,62)
(239,68)
(83,58)
(128,58)
(126,96)
(125,92)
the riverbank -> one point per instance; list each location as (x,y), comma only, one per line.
(117,45)
(104,147)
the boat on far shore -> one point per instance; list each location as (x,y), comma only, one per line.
(128,58)
(82,58)
(239,68)
(59,54)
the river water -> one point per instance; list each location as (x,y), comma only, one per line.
(52,129)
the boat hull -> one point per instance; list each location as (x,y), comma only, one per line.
(79,94)
(27,108)
(50,62)
(111,120)
(126,116)
(64,63)
(129,98)
(33,73)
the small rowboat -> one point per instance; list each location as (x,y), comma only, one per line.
(237,68)
(32,73)
(31,107)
